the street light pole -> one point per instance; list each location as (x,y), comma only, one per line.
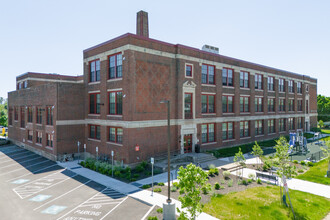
(78,152)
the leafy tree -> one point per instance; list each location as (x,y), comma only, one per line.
(321,124)
(191,181)
(240,159)
(323,108)
(257,151)
(3,112)
(326,154)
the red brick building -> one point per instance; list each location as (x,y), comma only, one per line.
(216,101)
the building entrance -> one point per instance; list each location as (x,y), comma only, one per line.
(188,143)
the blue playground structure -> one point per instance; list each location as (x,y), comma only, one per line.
(298,143)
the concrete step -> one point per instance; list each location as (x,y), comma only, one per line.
(204,158)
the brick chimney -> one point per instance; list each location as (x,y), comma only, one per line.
(142,27)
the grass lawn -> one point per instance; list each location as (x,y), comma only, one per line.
(316,173)
(325,131)
(264,203)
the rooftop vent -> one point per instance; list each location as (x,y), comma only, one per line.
(210,49)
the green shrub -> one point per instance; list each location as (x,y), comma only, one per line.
(146,186)
(216,186)
(161,184)
(152,218)
(181,191)
(300,171)
(259,181)
(249,180)
(176,184)
(211,172)
(222,187)
(139,168)
(302,162)
(310,164)
(230,183)
(265,167)
(239,182)
(174,189)
(157,189)
(252,176)
(82,163)
(216,171)
(148,173)
(295,161)
(222,181)
(144,164)
(226,174)
(117,173)
(136,175)
(160,210)
(205,190)
(244,182)
(211,166)
(132,180)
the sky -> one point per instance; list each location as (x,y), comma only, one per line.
(49,36)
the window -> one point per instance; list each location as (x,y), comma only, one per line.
(94,72)
(39,137)
(22,117)
(188,106)
(50,138)
(290,86)
(115,135)
(258,81)
(258,104)
(227,77)
(39,115)
(300,123)
(227,104)
(16,114)
(299,105)
(30,115)
(259,127)
(208,74)
(271,126)
(282,124)
(270,83)
(116,103)
(299,87)
(49,111)
(244,79)
(208,104)
(307,107)
(291,123)
(208,133)
(271,105)
(244,129)
(19,86)
(291,104)
(30,135)
(281,105)
(115,66)
(244,104)
(94,103)
(94,132)
(10,116)
(227,130)
(281,87)
(25,84)
(189,70)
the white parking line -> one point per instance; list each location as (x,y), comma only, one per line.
(14,151)
(14,160)
(114,208)
(24,167)
(148,212)
(63,194)
(32,172)
(19,163)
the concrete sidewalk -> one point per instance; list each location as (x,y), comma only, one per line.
(128,189)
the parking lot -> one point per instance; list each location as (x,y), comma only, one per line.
(32,187)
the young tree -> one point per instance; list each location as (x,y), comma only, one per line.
(326,154)
(191,181)
(258,152)
(240,159)
(321,124)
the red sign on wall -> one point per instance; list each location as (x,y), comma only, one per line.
(137,148)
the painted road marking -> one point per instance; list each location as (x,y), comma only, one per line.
(40,198)
(20,163)
(15,159)
(41,184)
(20,181)
(94,207)
(54,209)
(24,167)
(63,194)
(13,153)
(33,172)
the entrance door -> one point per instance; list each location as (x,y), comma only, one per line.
(188,143)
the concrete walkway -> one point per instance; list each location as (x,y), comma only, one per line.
(129,189)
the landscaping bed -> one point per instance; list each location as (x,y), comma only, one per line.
(125,174)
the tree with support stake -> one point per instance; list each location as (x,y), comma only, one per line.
(240,159)
(258,152)
(284,168)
